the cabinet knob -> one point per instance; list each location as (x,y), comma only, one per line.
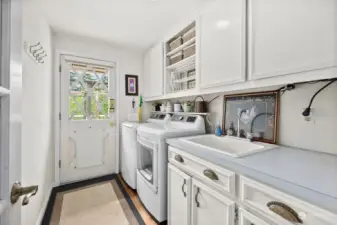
(211,174)
(179,158)
(285,211)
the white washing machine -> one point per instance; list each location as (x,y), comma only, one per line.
(130,147)
(129,153)
(152,159)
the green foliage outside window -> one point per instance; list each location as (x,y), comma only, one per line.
(98,98)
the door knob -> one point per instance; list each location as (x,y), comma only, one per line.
(25,200)
(18,191)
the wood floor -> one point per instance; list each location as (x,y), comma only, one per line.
(134,197)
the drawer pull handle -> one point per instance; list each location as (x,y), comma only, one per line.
(183,188)
(196,198)
(285,211)
(211,174)
(179,158)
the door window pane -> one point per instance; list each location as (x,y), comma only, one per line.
(88,95)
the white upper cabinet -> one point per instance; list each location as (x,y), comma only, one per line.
(291,36)
(153,72)
(146,75)
(222,43)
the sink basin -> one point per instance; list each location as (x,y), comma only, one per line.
(232,146)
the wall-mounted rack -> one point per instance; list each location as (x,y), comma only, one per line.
(35,51)
(180,63)
(181,47)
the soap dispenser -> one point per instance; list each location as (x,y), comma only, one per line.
(218,130)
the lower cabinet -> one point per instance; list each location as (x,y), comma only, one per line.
(197,195)
(179,197)
(247,218)
(191,202)
(210,207)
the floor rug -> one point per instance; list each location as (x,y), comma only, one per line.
(101,201)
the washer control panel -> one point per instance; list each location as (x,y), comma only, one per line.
(182,118)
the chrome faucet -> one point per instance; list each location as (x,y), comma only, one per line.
(240,114)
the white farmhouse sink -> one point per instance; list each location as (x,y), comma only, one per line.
(232,146)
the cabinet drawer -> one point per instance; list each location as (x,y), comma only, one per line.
(218,177)
(261,198)
(246,218)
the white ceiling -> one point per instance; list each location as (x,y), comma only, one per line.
(132,23)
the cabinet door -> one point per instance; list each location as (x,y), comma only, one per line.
(247,218)
(210,207)
(291,36)
(147,76)
(156,71)
(179,197)
(222,43)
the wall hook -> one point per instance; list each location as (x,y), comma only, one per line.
(38,51)
(34,46)
(39,60)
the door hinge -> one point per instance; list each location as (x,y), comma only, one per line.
(60,116)
(59,163)
(60,69)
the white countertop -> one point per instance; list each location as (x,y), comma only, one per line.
(310,176)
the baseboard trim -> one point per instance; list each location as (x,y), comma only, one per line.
(44,205)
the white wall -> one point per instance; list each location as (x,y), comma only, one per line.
(319,134)
(37,128)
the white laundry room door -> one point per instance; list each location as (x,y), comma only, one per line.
(88,131)
(11,199)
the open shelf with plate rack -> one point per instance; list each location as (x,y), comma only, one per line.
(180,61)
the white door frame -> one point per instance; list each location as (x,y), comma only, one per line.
(57,100)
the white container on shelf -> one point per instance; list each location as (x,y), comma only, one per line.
(177,107)
(168,107)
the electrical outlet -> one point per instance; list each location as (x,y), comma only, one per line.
(307,118)
(310,117)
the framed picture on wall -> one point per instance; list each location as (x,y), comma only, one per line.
(131,85)
(256,113)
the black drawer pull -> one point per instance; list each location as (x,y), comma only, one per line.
(179,158)
(285,211)
(211,174)
(183,188)
(196,198)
